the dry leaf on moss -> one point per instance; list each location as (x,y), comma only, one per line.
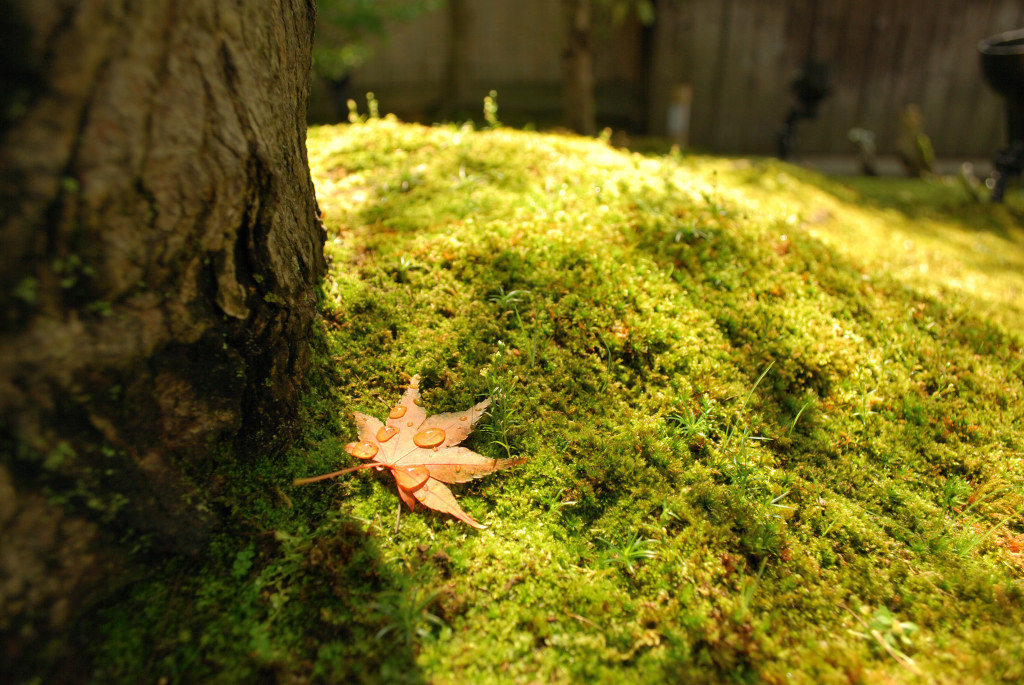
(421,453)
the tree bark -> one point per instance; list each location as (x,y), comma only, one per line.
(161,246)
(578,67)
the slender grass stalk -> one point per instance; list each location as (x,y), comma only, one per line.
(732,427)
(797,418)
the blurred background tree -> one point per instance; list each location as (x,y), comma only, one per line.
(345,28)
(581,18)
(345,33)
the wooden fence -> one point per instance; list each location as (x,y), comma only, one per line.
(738,56)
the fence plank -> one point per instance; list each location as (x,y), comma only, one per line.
(767,82)
(711,22)
(827,43)
(936,95)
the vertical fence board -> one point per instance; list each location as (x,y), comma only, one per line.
(672,62)
(878,75)
(731,100)
(838,47)
(968,99)
(710,23)
(767,83)
(856,38)
(937,76)
(823,25)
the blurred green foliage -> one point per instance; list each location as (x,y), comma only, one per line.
(346,29)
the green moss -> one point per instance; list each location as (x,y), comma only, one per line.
(679,518)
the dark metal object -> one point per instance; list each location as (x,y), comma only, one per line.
(1002,64)
(812,86)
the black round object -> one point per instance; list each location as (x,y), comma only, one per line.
(1002,63)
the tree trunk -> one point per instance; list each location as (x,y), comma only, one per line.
(161,245)
(578,68)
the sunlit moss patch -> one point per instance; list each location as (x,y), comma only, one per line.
(771,422)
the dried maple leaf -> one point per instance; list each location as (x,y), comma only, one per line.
(420,452)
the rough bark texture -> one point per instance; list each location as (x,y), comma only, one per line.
(578,67)
(160,251)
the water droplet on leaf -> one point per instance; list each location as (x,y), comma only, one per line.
(362,450)
(396,412)
(432,437)
(385,433)
(411,477)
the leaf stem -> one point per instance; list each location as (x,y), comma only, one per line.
(314,479)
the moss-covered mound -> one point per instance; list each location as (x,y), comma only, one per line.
(772,425)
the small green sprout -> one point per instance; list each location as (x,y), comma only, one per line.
(510,301)
(692,423)
(628,554)
(407,615)
(403,268)
(893,636)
